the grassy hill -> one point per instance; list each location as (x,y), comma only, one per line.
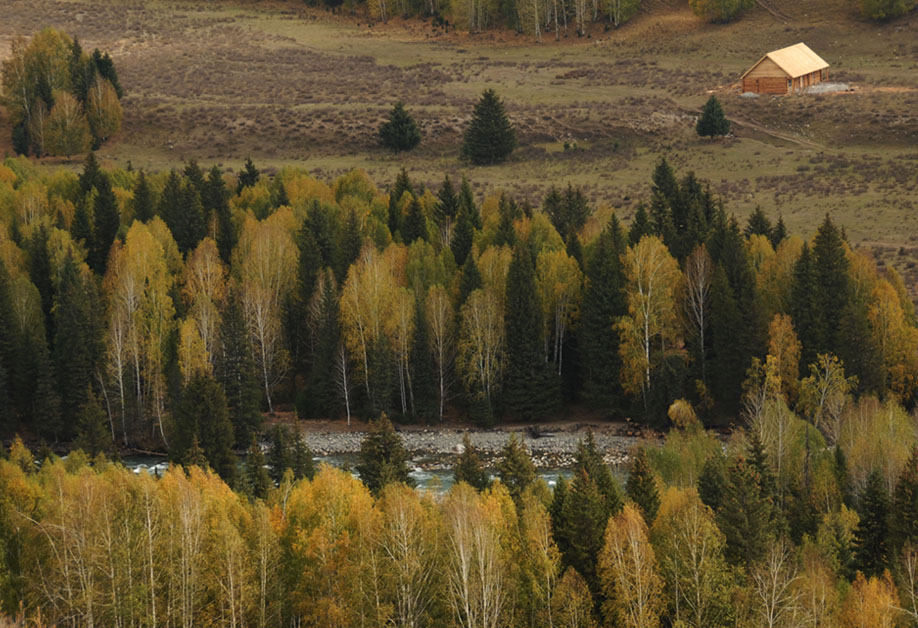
(219,81)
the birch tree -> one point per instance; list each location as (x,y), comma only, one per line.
(442,337)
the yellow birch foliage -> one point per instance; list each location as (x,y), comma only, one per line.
(783,361)
(628,573)
(871,602)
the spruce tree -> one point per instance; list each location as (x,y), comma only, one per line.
(515,468)
(586,514)
(833,284)
(77,346)
(871,536)
(467,203)
(235,369)
(257,478)
(400,132)
(470,279)
(280,454)
(778,233)
(490,137)
(383,458)
(308,269)
(201,416)
(215,203)
(447,203)
(415,225)
(530,387)
(468,467)
(642,486)
(40,267)
(348,245)
(303,465)
(186,220)
(143,199)
(758,224)
(803,308)
(640,225)
(905,504)
(319,397)
(712,481)
(88,179)
(713,121)
(106,222)
(92,428)
(423,372)
(106,69)
(603,303)
(463,237)
(81,226)
(248,176)
(745,515)
(508,213)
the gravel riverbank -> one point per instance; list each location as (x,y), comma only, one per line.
(549,446)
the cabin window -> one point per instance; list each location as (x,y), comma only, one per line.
(789,83)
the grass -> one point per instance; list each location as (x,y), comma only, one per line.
(221,81)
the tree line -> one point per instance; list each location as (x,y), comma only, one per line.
(152,309)
(761,533)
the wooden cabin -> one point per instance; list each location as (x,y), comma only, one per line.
(786,71)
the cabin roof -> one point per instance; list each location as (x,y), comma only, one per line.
(795,60)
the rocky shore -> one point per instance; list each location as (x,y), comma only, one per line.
(550,447)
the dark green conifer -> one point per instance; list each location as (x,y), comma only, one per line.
(106,69)
(531,390)
(712,480)
(463,238)
(215,204)
(90,175)
(81,226)
(319,397)
(745,515)
(40,267)
(508,213)
(778,233)
(415,225)
(803,308)
(303,465)
(423,371)
(904,510)
(713,121)
(402,184)
(871,536)
(93,433)
(833,284)
(640,225)
(383,458)
(201,417)
(106,222)
(470,280)
(257,478)
(490,137)
(467,203)
(280,454)
(248,176)
(348,245)
(447,203)
(758,224)
(468,467)
(642,486)
(515,468)
(235,369)
(143,199)
(603,303)
(400,132)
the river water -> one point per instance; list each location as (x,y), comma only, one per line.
(433,473)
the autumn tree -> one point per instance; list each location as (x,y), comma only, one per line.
(650,329)
(628,573)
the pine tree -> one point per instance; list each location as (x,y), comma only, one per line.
(400,132)
(490,137)
(143,199)
(712,480)
(303,465)
(447,205)
(257,477)
(92,428)
(279,196)
(194,175)
(82,72)
(603,303)
(905,504)
(507,213)
(201,417)
(640,225)
(383,458)
(106,222)
(88,179)
(185,219)
(235,369)
(871,536)
(81,226)
(248,176)
(531,389)
(308,269)
(423,377)
(106,69)
(319,398)
(713,121)
(40,267)
(515,468)
(415,225)
(642,486)
(348,245)
(803,308)
(468,467)
(194,456)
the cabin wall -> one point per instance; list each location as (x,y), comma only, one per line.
(766,68)
(765,85)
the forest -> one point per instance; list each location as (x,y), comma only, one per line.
(172,309)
